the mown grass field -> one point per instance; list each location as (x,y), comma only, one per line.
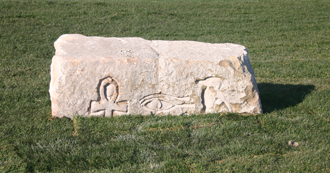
(289,46)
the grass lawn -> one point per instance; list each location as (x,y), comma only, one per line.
(289,46)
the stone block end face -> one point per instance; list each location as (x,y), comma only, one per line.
(96,76)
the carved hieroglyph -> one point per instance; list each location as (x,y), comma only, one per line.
(108,105)
(212,96)
(162,103)
(95,76)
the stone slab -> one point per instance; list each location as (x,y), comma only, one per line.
(97,76)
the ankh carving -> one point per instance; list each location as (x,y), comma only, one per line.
(107,105)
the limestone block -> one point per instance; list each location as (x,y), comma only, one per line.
(95,76)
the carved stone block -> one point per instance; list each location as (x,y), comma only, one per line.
(95,76)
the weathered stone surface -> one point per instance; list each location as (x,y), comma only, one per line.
(95,76)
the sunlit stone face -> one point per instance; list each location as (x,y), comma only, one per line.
(95,76)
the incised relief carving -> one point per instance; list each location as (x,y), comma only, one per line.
(108,105)
(213,99)
(161,103)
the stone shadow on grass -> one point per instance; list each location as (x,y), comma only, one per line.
(280,96)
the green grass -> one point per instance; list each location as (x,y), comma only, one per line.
(289,46)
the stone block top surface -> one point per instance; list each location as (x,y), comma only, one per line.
(80,46)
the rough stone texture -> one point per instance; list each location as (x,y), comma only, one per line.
(95,76)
